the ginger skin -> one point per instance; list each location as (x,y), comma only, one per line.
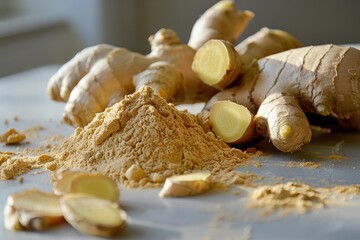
(221,21)
(282,87)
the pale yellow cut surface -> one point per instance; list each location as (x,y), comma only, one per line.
(229,120)
(213,65)
(37,202)
(95,210)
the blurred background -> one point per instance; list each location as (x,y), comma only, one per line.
(40,32)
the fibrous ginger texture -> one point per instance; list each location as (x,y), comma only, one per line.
(281,88)
(145,131)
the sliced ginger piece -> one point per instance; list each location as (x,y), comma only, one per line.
(97,185)
(231,122)
(186,185)
(63,181)
(93,216)
(217,63)
(61,172)
(74,181)
(32,210)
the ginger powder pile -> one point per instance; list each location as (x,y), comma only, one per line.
(142,140)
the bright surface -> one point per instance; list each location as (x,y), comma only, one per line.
(213,216)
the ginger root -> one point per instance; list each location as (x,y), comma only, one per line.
(100,76)
(281,88)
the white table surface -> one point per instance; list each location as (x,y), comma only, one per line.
(211,216)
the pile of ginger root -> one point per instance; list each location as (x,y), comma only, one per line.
(268,85)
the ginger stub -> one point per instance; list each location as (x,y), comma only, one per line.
(186,184)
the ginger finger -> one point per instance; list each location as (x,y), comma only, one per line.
(32,210)
(281,119)
(164,78)
(93,216)
(264,43)
(92,94)
(61,84)
(231,122)
(221,21)
(186,185)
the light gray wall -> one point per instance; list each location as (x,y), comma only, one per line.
(128,23)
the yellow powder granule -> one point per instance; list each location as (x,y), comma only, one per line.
(246,179)
(11,136)
(14,167)
(13,164)
(309,165)
(4,156)
(303,164)
(142,140)
(291,164)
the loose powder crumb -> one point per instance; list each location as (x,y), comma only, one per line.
(11,137)
(303,164)
(310,164)
(143,139)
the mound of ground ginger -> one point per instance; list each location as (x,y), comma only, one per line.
(142,140)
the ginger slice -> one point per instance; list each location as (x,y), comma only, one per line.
(32,210)
(97,185)
(63,181)
(93,216)
(186,185)
(231,122)
(217,64)
(73,181)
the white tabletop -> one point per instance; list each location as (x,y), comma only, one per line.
(220,215)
